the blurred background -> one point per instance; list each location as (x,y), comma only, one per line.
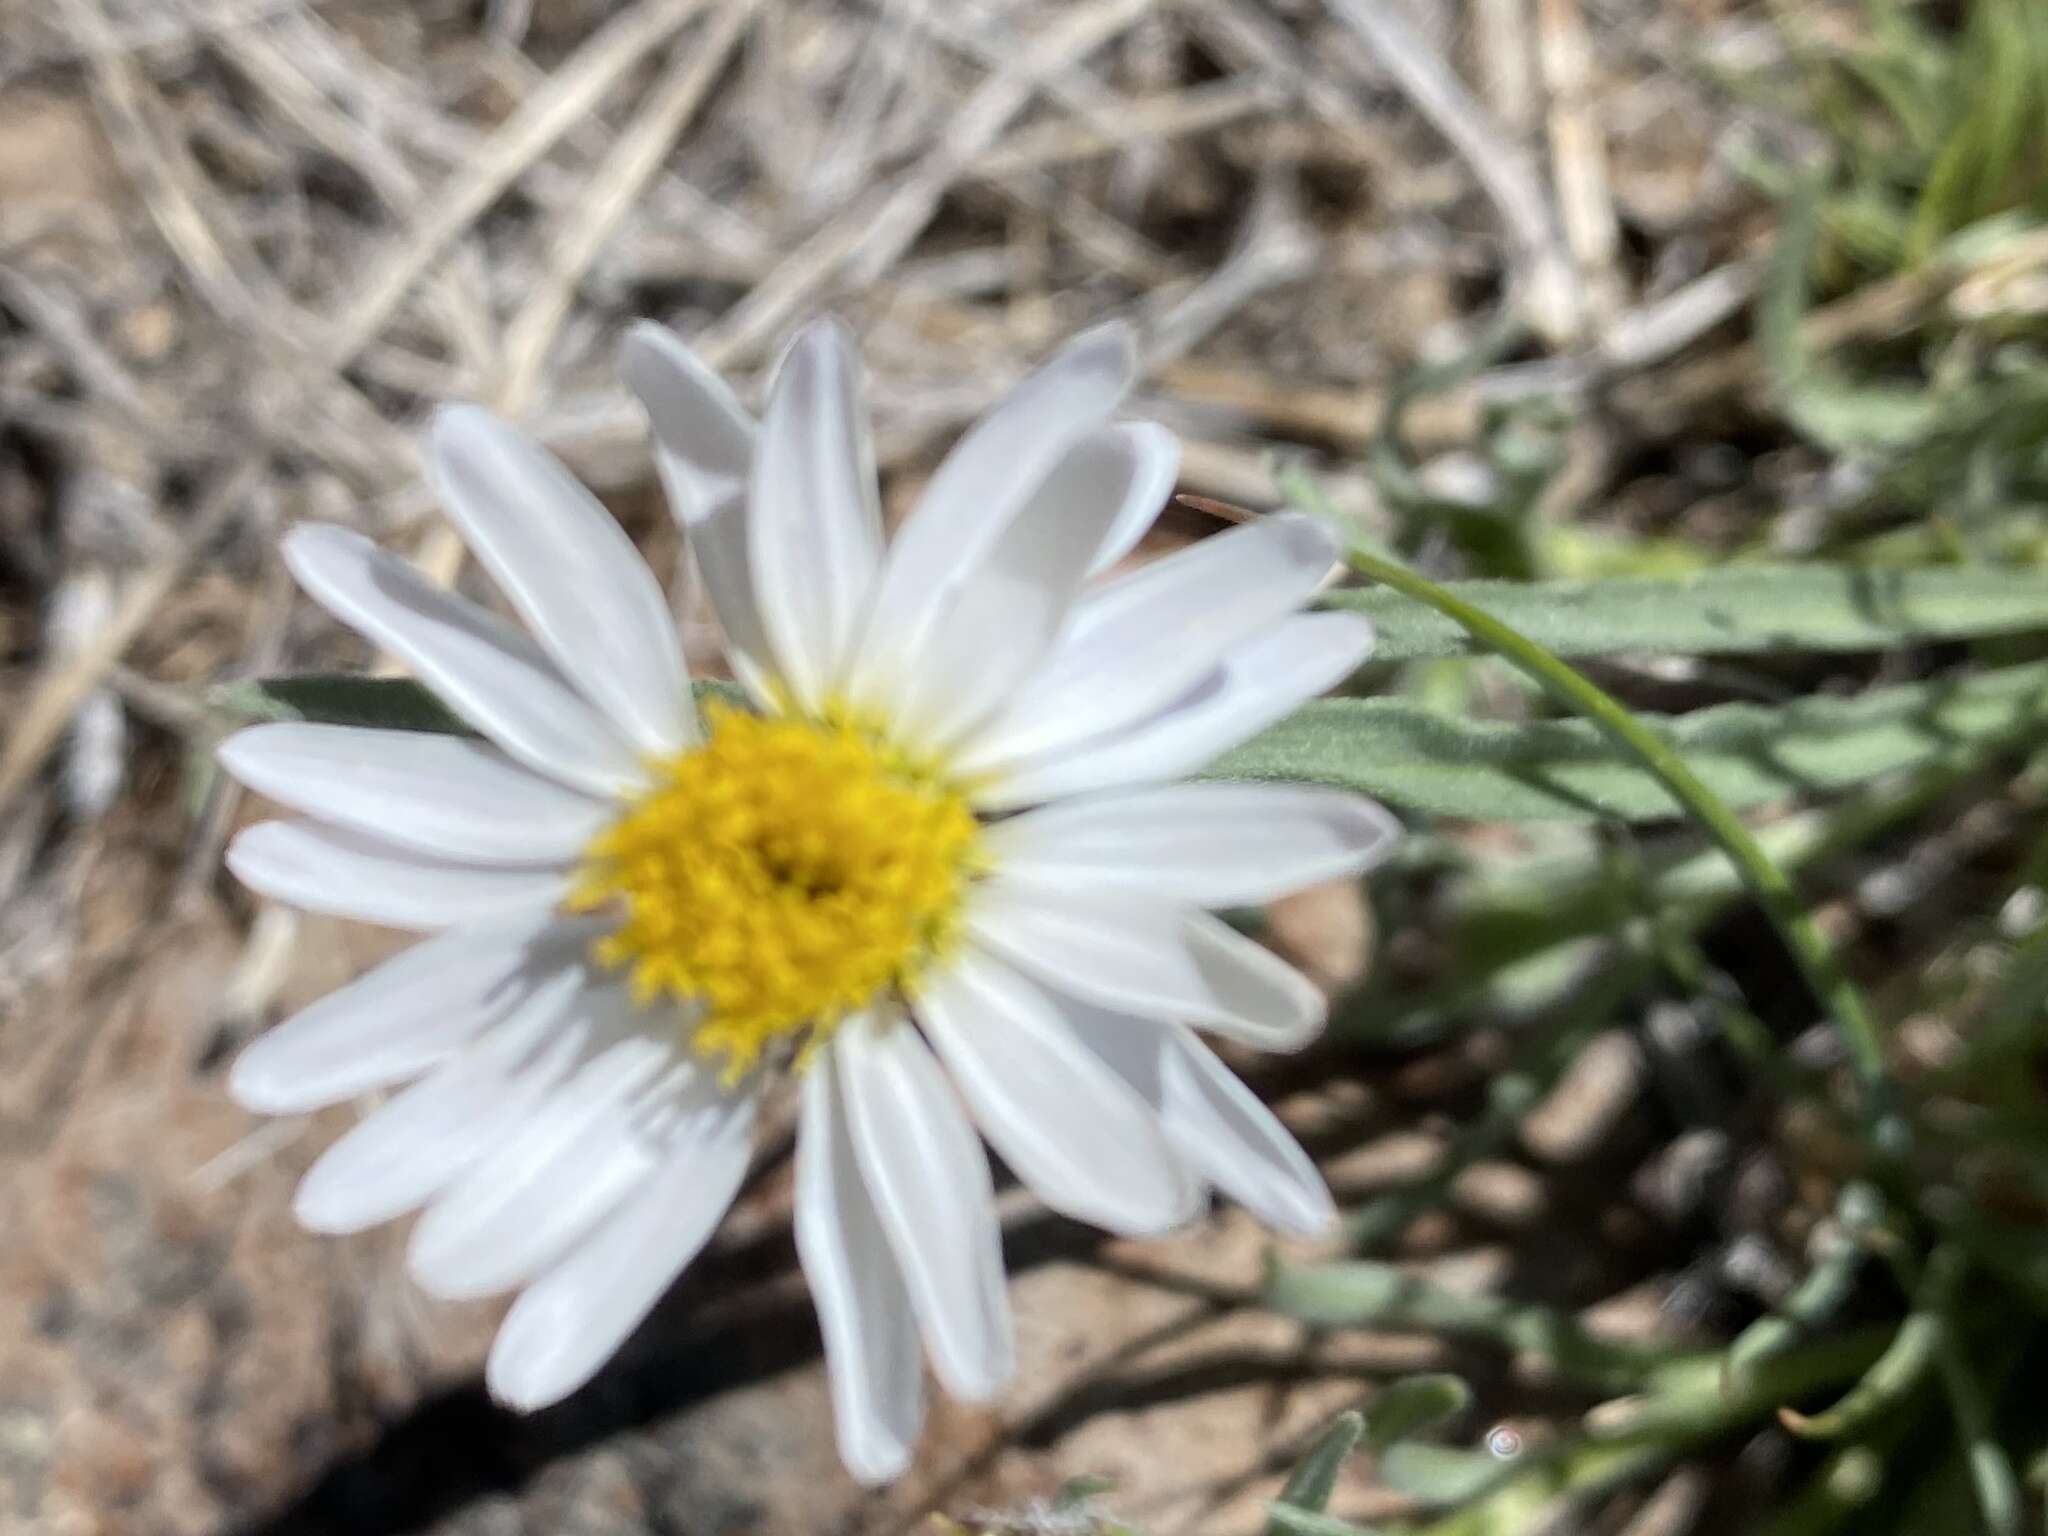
(1536,290)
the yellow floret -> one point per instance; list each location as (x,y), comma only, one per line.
(783,875)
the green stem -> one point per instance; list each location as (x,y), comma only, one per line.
(1691,1410)
(1844,1486)
(1284,1519)
(1766,881)
(1893,1379)
(1309,1486)
(1991,1473)
(1365,1293)
(1823,1291)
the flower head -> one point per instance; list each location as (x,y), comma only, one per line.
(937,872)
(779,879)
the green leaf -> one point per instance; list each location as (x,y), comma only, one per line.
(1439,1475)
(1747,754)
(1684,1413)
(1825,1289)
(386,703)
(1285,1519)
(1733,610)
(1822,402)
(1309,1485)
(389,703)
(1845,1484)
(1894,1377)
(1366,1294)
(1517,1502)
(1414,1404)
(1078,1492)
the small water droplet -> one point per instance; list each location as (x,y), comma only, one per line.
(1505,1443)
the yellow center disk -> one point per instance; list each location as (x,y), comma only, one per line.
(782,876)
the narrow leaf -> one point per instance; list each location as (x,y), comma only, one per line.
(1414,1404)
(388,703)
(1822,1293)
(1747,754)
(1309,1485)
(1283,1519)
(1734,610)
(1367,1294)
(384,703)
(1895,1375)
(1822,402)
(1439,1475)
(1079,1492)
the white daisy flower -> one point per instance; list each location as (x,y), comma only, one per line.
(937,874)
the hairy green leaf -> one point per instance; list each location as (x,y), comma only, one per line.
(1748,754)
(1309,1485)
(1284,1519)
(1366,1294)
(386,703)
(1413,1404)
(1440,1475)
(1834,410)
(1080,1492)
(1733,610)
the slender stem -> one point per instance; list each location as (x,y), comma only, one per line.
(1368,1293)
(1768,883)
(1895,1377)
(1821,1294)
(1664,1423)
(1991,1473)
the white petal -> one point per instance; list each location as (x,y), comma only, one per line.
(704,449)
(815,518)
(930,1182)
(547,1183)
(1147,638)
(404,1017)
(569,569)
(1147,958)
(698,422)
(1209,845)
(1218,1124)
(1148,466)
(570,1321)
(864,1311)
(434,794)
(427,1135)
(1084,1143)
(983,483)
(1010,610)
(1291,663)
(488,672)
(344,874)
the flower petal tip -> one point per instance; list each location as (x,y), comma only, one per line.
(319,1206)
(524,1374)
(244,847)
(650,353)
(876,1466)
(311,542)
(256,1083)
(1111,346)
(461,427)
(231,753)
(827,330)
